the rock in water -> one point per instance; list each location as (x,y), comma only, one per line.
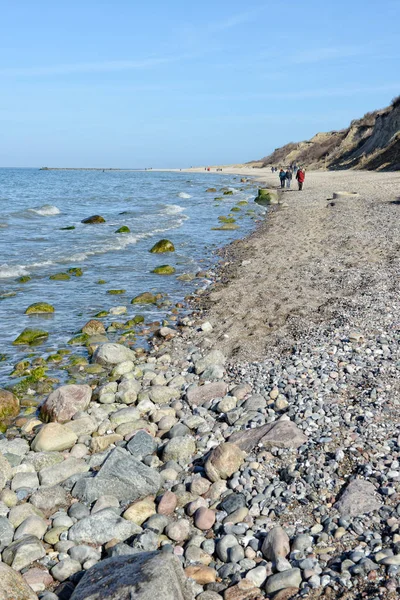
(13,585)
(145,298)
(9,405)
(94,219)
(62,404)
(39,308)
(121,475)
(359,498)
(144,576)
(30,336)
(163,246)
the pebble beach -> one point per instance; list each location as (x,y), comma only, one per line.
(251,448)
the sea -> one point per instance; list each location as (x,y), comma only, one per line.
(36,207)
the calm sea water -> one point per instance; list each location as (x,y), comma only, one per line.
(35,205)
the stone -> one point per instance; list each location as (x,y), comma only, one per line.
(257,576)
(280,434)
(102,527)
(121,475)
(162,394)
(50,500)
(39,308)
(281,581)
(143,576)
(38,579)
(141,444)
(201,574)
(180,449)
(302,542)
(199,486)
(255,402)
(215,357)
(51,476)
(83,426)
(94,327)
(6,533)
(94,219)
(110,355)
(54,437)
(19,513)
(65,569)
(224,547)
(162,246)
(241,391)
(140,511)
(102,442)
(244,590)
(359,498)
(30,336)
(13,586)
(204,518)
(276,544)
(24,480)
(9,405)
(167,504)
(164,270)
(31,526)
(232,502)
(144,298)
(5,471)
(23,552)
(62,404)
(178,531)
(223,461)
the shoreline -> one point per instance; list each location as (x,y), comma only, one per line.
(325,372)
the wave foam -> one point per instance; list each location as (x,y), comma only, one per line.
(47,210)
(184,195)
(7,271)
(173,209)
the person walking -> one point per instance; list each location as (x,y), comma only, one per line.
(289,175)
(300,176)
(282,177)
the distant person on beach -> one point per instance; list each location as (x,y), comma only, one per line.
(272,169)
(289,175)
(300,176)
(282,177)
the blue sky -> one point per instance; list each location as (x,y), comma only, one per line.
(174,84)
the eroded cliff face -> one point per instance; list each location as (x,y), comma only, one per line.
(372,142)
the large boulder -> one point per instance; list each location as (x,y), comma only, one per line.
(13,586)
(280,434)
(144,576)
(121,475)
(110,355)
(9,405)
(23,552)
(30,336)
(39,308)
(62,404)
(163,246)
(54,437)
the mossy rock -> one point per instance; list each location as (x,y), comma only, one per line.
(226,219)
(94,219)
(235,209)
(163,246)
(3,357)
(145,298)
(101,281)
(75,271)
(94,369)
(54,358)
(36,376)
(266,197)
(64,351)
(116,292)
(218,198)
(137,319)
(39,308)
(60,277)
(123,229)
(7,295)
(9,405)
(101,314)
(24,279)
(164,270)
(79,340)
(69,228)
(187,277)
(242,203)
(213,190)
(228,193)
(77,361)
(226,227)
(31,336)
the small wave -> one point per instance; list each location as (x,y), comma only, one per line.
(184,195)
(173,209)
(7,271)
(47,210)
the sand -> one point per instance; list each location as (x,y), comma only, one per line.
(312,260)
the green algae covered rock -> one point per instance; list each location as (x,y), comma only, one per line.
(60,277)
(228,193)
(137,319)
(30,336)
(39,308)
(24,279)
(76,271)
(123,229)
(116,292)
(145,298)
(218,198)
(79,340)
(163,246)
(101,314)
(266,197)
(226,227)
(242,203)
(235,209)
(164,270)
(9,405)
(35,377)
(226,219)
(101,281)
(213,190)
(93,220)
(69,228)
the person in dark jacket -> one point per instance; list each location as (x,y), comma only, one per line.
(289,175)
(300,176)
(282,177)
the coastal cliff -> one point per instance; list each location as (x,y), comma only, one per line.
(371,143)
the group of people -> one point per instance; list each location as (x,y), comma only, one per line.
(286,175)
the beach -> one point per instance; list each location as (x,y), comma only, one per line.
(254,440)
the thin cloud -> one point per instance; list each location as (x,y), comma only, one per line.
(236,20)
(94,67)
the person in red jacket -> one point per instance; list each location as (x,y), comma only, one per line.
(300,176)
